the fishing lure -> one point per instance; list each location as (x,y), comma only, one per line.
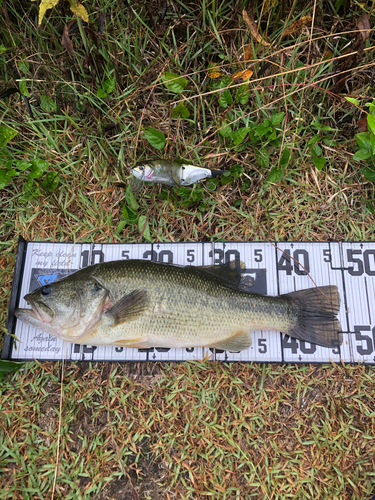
(172,173)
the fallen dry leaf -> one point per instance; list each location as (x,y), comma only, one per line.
(297,25)
(362,124)
(43,7)
(79,10)
(214,71)
(267,5)
(66,41)
(253,28)
(363,24)
(247,53)
(244,74)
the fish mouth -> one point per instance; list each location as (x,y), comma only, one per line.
(39,312)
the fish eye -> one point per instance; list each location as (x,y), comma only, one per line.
(46,290)
(141,168)
(97,288)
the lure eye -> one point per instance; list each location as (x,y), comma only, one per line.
(46,290)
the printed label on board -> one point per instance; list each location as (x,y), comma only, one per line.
(267,271)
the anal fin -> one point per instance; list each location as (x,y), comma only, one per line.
(239,341)
(140,343)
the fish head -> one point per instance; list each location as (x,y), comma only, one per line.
(67,309)
(144,172)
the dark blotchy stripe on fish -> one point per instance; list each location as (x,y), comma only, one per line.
(138,303)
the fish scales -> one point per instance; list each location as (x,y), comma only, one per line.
(187,308)
(138,303)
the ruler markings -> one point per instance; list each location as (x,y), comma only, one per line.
(351,266)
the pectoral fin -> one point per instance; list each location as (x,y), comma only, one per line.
(130,307)
(239,341)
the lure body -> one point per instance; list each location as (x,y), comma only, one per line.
(172,173)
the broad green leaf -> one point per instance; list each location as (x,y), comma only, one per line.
(226,81)
(144,227)
(22,164)
(226,130)
(6,135)
(271,136)
(369,173)
(23,87)
(174,82)
(101,93)
(371,123)
(225,99)
(316,125)
(180,111)
(128,215)
(130,199)
(30,191)
(154,137)
(38,167)
(275,174)
(217,85)
(371,106)
(263,158)
(6,176)
(2,49)
(352,100)
(47,103)
(315,138)
(44,6)
(277,118)
(24,66)
(109,85)
(372,142)
(370,207)
(226,180)
(242,94)
(284,160)
(79,10)
(363,140)
(236,171)
(121,226)
(9,367)
(361,155)
(239,135)
(51,181)
(316,150)
(319,162)
(261,130)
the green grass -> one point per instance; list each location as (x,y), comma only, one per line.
(193,430)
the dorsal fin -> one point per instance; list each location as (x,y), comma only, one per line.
(228,274)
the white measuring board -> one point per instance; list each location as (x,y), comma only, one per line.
(350,266)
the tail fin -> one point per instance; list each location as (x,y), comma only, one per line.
(316,311)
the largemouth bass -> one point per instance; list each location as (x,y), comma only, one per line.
(138,303)
(172,173)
